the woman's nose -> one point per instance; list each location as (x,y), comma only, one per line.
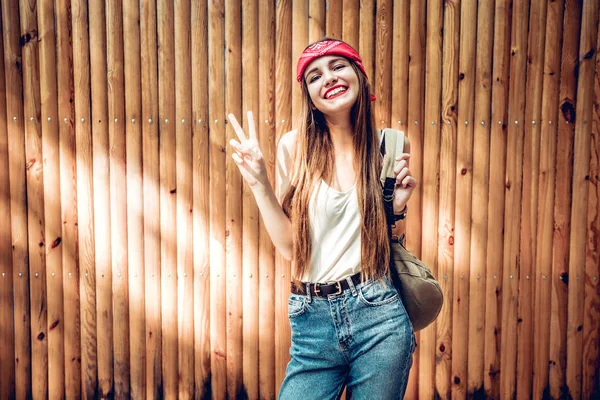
(329,79)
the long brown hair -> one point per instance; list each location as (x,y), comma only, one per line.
(314,159)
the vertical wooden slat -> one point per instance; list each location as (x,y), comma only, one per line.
(495,229)
(463,206)
(201,199)
(52,196)
(283,64)
(382,79)
(512,215)
(134,203)
(299,43)
(85,199)
(427,348)
(18,196)
(366,41)
(101,189)
(7,337)
(151,199)
(118,197)
(333,20)
(316,20)
(266,135)
(529,197)
(233,211)
(415,113)
(250,240)
(68,179)
(350,22)
(216,79)
(545,218)
(184,184)
(562,198)
(400,62)
(481,177)
(447,178)
(591,329)
(581,171)
(168,194)
(35,200)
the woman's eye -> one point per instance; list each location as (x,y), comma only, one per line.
(338,67)
(313,78)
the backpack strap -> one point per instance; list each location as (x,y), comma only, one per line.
(394,142)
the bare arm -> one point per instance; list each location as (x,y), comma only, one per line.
(249,159)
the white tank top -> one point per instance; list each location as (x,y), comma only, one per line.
(335,224)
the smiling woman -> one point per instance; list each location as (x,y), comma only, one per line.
(344,312)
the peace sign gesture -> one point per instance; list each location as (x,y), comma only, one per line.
(247,155)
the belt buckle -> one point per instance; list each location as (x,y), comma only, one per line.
(339,287)
(316,289)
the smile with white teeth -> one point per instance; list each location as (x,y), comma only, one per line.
(336,91)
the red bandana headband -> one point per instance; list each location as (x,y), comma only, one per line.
(327,48)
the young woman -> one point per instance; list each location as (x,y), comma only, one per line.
(349,327)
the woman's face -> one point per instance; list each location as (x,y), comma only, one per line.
(332,84)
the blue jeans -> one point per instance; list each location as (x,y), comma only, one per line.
(361,338)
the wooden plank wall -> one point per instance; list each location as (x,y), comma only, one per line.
(134,262)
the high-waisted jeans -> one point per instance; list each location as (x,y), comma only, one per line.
(361,338)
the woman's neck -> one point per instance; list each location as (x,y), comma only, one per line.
(341,133)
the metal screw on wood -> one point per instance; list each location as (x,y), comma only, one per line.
(494,276)
(527,277)
(499,122)
(200,121)
(36,275)
(466,122)
(432,122)
(216,121)
(149,120)
(20,274)
(31,119)
(116,120)
(82,119)
(283,121)
(482,123)
(70,274)
(49,119)
(53,274)
(382,122)
(478,277)
(462,277)
(532,122)
(133,121)
(511,277)
(166,121)
(86,274)
(14,118)
(184,275)
(416,122)
(577,277)
(550,122)
(283,275)
(516,122)
(66,120)
(201,273)
(266,121)
(544,276)
(446,276)
(448,122)
(399,122)
(266,275)
(3,274)
(183,121)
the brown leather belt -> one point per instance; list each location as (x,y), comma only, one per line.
(326,289)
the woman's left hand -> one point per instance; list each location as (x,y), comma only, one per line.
(405,183)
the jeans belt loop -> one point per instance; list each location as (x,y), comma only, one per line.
(351,286)
(308,293)
(317,290)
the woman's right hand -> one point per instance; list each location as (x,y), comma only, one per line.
(247,154)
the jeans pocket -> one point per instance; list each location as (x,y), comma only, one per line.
(296,306)
(378,293)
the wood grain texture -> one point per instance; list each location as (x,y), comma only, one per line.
(183,122)
(350,22)
(512,215)
(316,19)
(134,201)
(234,223)
(382,78)
(216,79)
(446,223)
(168,195)
(201,199)
(562,198)
(427,348)
(283,115)
(545,219)
(482,126)
(151,200)
(7,334)
(68,196)
(496,204)
(463,206)
(576,315)
(265,125)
